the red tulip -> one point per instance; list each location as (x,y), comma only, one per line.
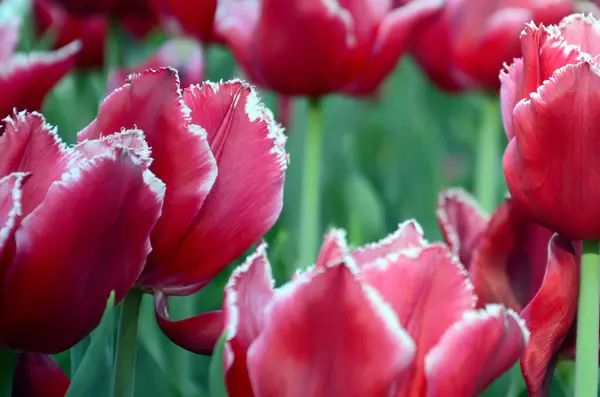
(184,55)
(74,226)
(192,17)
(37,375)
(221,156)
(549,111)
(467,46)
(513,261)
(316,47)
(26,79)
(345,328)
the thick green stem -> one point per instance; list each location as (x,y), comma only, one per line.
(488,159)
(586,364)
(127,344)
(310,196)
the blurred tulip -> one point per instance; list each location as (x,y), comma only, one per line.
(37,375)
(467,46)
(550,113)
(91,29)
(222,158)
(103,202)
(394,318)
(513,261)
(26,79)
(316,47)
(194,18)
(186,56)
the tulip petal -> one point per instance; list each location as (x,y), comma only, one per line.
(37,375)
(9,38)
(26,78)
(543,163)
(182,158)
(113,204)
(409,235)
(246,198)
(509,263)
(247,293)
(550,315)
(327,334)
(11,191)
(434,295)
(583,31)
(393,36)
(195,17)
(475,351)
(334,248)
(197,334)
(462,221)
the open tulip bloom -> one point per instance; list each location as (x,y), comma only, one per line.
(394,318)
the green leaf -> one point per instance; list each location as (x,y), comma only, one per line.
(366,214)
(7,364)
(94,375)
(77,353)
(216,377)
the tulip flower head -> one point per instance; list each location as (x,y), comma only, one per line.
(550,117)
(394,318)
(514,261)
(194,18)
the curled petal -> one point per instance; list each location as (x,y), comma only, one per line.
(334,248)
(246,198)
(462,222)
(10,207)
(113,204)
(197,334)
(321,328)
(550,315)
(247,293)
(26,79)
(583,31)
(37,375)
(494,336)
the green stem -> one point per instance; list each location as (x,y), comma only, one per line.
(310,206)
(127,344)
(586,354)
(486,166)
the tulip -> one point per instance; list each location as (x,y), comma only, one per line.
(74,226)
(37,375)
(26,79)
(394,318)
(317,47)
(222,158)
(194,18)
(184,55)
(514,261)
(466,47)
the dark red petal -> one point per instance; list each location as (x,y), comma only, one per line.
(409,235)
(197,334)
(37,375)
(550,165)
(26,78)
(462,221)
(182,160)
(474,352)
(248,292)
(334,248)
(113,204)
(509,263)
(434,295)
(9,38)
(246,198)
(195,17)
(394,34)
(327,334)
(11,191)
(30,145)
(550,315)
(582,31)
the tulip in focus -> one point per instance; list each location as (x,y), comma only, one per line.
(75,225)
(394,318)
(222,158)
(317,47)
(26,79)
(550,111)
(514,261)
(466,47)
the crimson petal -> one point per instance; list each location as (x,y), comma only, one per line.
(327,334)
(37,375)
(334,248)
(474,352)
